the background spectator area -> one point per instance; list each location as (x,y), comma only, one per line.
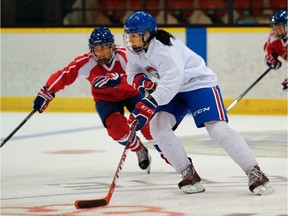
(115,12)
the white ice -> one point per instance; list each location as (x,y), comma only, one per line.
(57,158)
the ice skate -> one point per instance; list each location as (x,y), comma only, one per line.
(258,182)
(144,159)
(191,181)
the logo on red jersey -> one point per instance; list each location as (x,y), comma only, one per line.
(152,71)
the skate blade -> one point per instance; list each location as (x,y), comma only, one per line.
(149,167)
(191,189)
(263,189)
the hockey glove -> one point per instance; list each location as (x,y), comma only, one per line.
(284,84)
(143,84)
(109,80)
(273,62)
(143,112)
(42,100)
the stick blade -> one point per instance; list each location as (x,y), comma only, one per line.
(82,204)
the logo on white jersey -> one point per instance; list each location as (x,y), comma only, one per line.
(152,71)
(201,111)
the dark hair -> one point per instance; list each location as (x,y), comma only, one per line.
(164,37)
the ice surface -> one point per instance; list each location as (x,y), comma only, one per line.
(57,158)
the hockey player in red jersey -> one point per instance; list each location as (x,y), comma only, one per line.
(276,46)
(104,68)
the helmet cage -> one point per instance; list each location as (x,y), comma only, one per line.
(280,30)
(104,59)
(102,37)
(135,49)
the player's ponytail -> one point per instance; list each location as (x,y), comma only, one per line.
(164,37)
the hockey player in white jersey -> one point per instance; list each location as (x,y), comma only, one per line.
(185,84)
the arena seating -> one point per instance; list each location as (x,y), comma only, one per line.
(114,9)
(151,7)
(215,10)
(243,7)
(278,4)
(180,9)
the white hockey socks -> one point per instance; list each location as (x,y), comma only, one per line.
(232,142)
(161,129)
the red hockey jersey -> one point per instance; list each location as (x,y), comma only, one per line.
(276,47)
(86,66)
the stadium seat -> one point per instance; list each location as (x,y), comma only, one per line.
(214,9)
(278,4)
(151,6)
(114,10)
(243,7)
(180,9)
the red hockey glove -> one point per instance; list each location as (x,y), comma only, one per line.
(284,84)
(143,112)
(273,62)
(43,99)
(143,84)
(109,80)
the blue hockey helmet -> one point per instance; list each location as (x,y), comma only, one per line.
(279,17)
(140,22)
(278,22)
(102,37)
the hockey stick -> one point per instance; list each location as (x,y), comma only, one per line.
(92,203)
(247,90)
(17,128)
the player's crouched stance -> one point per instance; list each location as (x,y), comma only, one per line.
(191,183)
(104,68)
(184,85)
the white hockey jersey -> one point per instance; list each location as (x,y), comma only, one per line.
(177,68)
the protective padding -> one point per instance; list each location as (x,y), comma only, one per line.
(119,130)
(117,127)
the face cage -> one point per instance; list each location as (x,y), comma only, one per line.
(104,60)
(128,45)
(280,36)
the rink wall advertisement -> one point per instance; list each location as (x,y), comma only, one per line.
(30,55)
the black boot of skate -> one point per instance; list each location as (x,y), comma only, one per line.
(191,181)
(258,182)
(144,159)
